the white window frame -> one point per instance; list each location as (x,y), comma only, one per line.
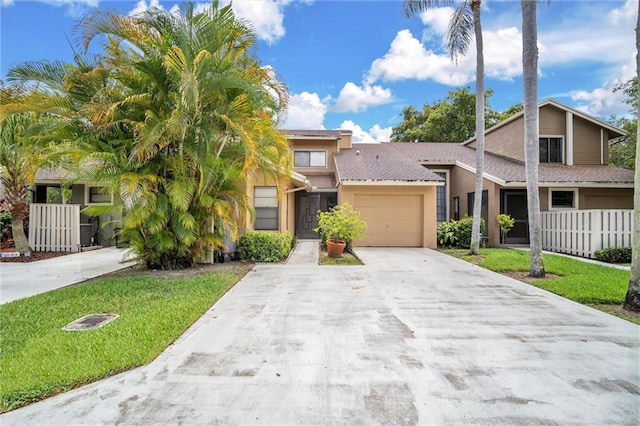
(576,198)
(87,196)
(310,151)
(275,208)
(447,193)
(563,148)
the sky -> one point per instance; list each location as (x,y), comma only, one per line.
(356,64)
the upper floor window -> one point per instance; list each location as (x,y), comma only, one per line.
(310,159)
(550,150)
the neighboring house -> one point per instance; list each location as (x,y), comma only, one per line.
(50,188)
(403,190)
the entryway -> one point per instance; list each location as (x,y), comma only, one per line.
(514,203)
(307,206)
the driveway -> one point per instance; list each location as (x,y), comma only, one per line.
(19,280)
(413,337)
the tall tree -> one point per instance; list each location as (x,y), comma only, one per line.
(531,132)
(465,22)
(632,299)
(452,119)
(179,113)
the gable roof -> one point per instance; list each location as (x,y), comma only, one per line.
(380,163)
(616,131)
(509,172)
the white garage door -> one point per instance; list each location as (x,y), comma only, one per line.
(392,220)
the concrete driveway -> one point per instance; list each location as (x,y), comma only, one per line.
(20,280)
(413,337)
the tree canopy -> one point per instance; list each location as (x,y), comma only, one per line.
(449,120)
(622,152)
(172,118)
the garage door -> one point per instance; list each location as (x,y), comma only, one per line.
(392,220)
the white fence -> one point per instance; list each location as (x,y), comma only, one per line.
(54,227)
(583,232)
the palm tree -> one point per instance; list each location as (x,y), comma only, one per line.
(197,113)
(465,20)
(531,133)
(632,299)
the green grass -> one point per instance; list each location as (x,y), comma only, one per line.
(579,281)
(346,259)
(39,359)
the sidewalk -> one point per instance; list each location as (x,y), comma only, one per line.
(20,280)
(305,253)
(581,259)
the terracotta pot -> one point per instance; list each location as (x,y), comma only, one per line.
(335,248)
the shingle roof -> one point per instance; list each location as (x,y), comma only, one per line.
(512,171)
(380,162)
(334,134)
(322,181)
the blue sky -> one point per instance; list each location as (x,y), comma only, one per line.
(356,64)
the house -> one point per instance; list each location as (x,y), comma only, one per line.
(394,194)
(403,190)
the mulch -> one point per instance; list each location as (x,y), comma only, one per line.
(35,256)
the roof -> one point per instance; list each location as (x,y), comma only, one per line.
(616,131)
(376,163)
(316,134)
(322,182)
(511,172)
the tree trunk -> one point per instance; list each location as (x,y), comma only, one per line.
(632,300)
(18,214)
(477,202)
(531,132)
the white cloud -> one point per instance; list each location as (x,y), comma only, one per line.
(6,2)
(305,111)
(353,98)
(375,135)
(601,102)
(266,16)
(143,5)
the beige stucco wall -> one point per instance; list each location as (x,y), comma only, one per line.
(348,194)
(329,146)
(463,182)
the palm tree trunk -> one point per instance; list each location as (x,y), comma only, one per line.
(477,202)
(16,196)
(531,132)
(632,300)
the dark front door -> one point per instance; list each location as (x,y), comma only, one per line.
(514,203)
(306,215)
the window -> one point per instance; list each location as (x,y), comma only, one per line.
(265,202)
(441,199)
(550,150)
(456,208)
(98,195)
(563,199)
(310,159)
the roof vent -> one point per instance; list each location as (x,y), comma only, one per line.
(377,157)
(357,152)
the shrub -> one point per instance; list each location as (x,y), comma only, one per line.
(457,233)
(614,255)
(341,223)
(263,246)
(505,223)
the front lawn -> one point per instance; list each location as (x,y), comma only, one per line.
(595,285)
(39,359)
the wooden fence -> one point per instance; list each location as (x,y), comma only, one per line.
(583,232)
(54,227)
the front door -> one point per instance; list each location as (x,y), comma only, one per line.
(514,203)
(307,215)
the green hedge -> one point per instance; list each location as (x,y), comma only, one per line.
(264,246)
(457,233)
(614,255)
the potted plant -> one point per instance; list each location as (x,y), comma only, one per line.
(339,227)
(505,223)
